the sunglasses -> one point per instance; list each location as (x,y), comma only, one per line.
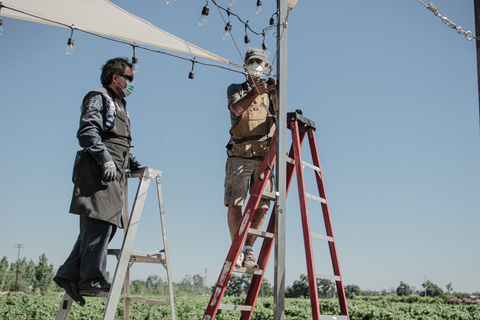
(126,76)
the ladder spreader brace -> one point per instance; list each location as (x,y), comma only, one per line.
(127,257)
(299,126)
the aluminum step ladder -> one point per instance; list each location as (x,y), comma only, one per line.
(299,127)
(127,257)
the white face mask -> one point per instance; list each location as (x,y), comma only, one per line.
(255,70)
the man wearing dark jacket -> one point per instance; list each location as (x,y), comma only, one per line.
(99,178)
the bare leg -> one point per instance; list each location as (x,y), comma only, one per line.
(235,217)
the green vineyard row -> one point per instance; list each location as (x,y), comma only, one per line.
(33,307)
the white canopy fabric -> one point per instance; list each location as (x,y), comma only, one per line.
(105,18)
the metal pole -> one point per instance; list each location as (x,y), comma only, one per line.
(477,33)
(281,171)
(19,246)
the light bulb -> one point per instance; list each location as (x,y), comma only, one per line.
(265,49)
(70,46)
(1,28)
(203,18)
(170,2)
(134,64)
(247,43)
(226,34)
(191,75)
(259,7)
(233,2)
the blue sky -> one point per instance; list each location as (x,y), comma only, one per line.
(392,90)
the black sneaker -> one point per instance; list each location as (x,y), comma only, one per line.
(71,289)
(95,287)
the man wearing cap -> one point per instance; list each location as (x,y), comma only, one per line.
(252,105)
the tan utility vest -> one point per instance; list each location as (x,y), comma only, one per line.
(251,135)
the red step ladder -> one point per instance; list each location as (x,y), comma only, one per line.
(299,127)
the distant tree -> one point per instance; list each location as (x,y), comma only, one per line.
(299,289)
(267,288)
(43,274)
(3,273)
(11,273)
(29,274)
(404,289)
(326,288)
(449,287)
(198,284)
(235,286)
(432,290)
(351,291)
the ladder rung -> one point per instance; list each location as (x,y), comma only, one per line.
(311,196)
(138,256)
(292,161)
(268,195)
(327,277)
(99,295)
(326,317)
(321,236)
(245,270)
(234,307)
(149,301)
(260,233)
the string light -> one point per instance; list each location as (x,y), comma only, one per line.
(170,2)
(272,25)
(247,39)
(265,47)
(259,7)
(203,18)
(134,61)
(192,74)
(70,41)
(228,28)
(70,44)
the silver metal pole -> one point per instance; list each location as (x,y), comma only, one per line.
(281,171)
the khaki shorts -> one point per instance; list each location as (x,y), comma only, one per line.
(240,176)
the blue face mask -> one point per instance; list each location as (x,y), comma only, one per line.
(129,88)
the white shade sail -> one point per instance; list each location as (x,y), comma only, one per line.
(101,17)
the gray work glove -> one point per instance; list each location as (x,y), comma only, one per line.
(109,171)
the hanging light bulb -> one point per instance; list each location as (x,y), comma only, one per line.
(134,60)
(169,2)
(1,28)
(228,28)
(247,43)
(272,25)
(70,46)
(203,18)
(265,49)
(233,2)
(134,64)
(191,74)
(259,7)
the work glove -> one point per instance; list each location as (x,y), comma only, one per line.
(109,171)
(135,166)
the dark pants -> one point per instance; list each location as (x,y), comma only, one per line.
(88,260)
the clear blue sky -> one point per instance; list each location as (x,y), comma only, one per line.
(393,92)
